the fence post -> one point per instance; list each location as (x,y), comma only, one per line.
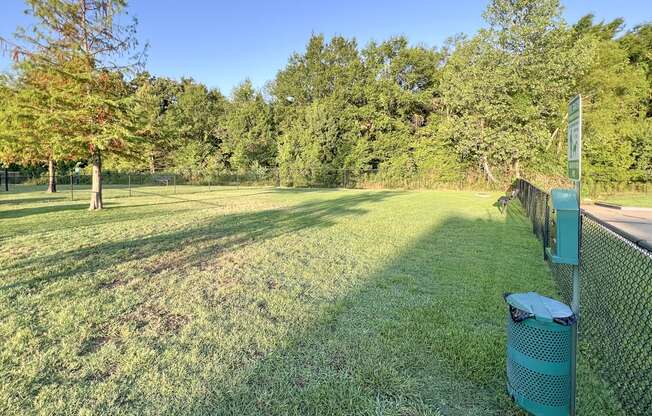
(129,181)
(72,188)
(546,226)
(174,181)
(7,179)
(209,182)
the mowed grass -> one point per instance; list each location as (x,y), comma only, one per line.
(260,301)
(643,200)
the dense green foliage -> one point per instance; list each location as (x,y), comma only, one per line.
(485,107)
(70,98)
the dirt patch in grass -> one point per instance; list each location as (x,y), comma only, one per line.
(170,261)
(20,251)
(264,310)
(272,284)
(338,362)
(300,382)
(100,376)
(93,344)
(112,284)
(156,318)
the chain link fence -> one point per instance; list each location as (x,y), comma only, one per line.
(77,186)
(615,305)
(117,185)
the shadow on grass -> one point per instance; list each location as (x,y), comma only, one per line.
(82,193)
(9,199)
(208,201)
(114,216)
(180,199)
(39,210)
(139,191)
(424,334)
(214,235)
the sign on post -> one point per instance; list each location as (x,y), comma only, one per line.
(574,136)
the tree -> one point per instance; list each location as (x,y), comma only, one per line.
(250,132)
(38,118)
(315,99)
(194,127)
(638,44)
(8,141)
(84,40)
(615,96)
(317,144)
(476,91)
(340,108)
(401,91)
(326,68)
(603,31)
(154,98)
(504,89)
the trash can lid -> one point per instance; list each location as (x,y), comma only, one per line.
(540,306)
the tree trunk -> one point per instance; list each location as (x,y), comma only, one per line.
(487,169)
(96,188)
(52,179)
(516,167)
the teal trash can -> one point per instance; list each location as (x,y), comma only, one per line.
(539,353)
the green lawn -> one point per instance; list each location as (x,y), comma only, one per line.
(629,199)
(260,301)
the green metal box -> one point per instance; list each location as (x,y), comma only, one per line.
(566,220)
(539,353)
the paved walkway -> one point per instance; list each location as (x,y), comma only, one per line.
(635,224)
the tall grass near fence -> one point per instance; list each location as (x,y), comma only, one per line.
(615,304)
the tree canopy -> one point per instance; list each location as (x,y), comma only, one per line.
(488,106)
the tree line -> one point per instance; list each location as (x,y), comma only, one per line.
(490,107)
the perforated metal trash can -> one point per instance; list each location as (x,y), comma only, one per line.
(539,353)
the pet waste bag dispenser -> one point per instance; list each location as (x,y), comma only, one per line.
(564,247)
(539,353)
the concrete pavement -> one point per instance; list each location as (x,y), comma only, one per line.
(636,224)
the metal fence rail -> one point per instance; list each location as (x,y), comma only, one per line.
(121,183)
(616,304)
(118,185)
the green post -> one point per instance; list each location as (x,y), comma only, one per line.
(574,137)
(129,181)
(72,188)
(575,305)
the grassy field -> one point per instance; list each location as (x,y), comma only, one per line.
(260,301)
(643,200)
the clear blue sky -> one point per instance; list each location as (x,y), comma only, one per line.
(222,42)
